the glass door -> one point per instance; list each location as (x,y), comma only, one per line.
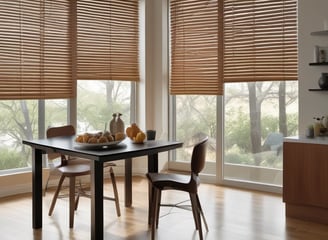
(192,118)
(257,116)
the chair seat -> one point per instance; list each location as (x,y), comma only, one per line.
(79,167)
(174,181)
(75,169)
(163,178)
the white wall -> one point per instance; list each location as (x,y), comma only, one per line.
(312,15)
(153,88)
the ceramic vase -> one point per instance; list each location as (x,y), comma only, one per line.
(323,81)
(116,124)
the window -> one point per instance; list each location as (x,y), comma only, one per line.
(261,93)
(98,100)
(195,116)
(26,119)
(46,45)
(195,74)
(257,115)
(257,56)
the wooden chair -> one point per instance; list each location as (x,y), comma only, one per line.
(72,167)
(186,183)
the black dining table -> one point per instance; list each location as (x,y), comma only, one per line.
(125,150)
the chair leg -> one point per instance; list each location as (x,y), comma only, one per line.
(47,183)
(196,213)
(152,213)
(202,213)
(151,202)
(46,186)
(54,199)
(158,205)
(71,201)
(117,202)
(77,200)
(155,211)
(194,210)
(79,192)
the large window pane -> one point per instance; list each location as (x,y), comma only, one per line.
(98,100)
(194,118)
(257,117)
(55,112)
(18,120)
(22,119)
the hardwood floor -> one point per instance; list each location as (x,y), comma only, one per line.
(232,214)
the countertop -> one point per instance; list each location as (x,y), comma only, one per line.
(303,139)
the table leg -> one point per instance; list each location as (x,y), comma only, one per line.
(97,201)
(37,188)
(152,167)
(128,182)
(71,201)
(153,163)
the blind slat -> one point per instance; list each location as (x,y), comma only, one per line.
(35,52)
(108,35)
(196,47)
(37,45)
(260,40)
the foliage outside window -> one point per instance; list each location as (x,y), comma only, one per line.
(19,119)
(195,117)
(98,100)
(256,120)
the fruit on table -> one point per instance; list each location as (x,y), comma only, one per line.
(140,137)
(100,137)
(119,136)
(132,131)
(135,133)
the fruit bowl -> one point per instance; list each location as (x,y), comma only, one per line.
(99,139)
(98,145)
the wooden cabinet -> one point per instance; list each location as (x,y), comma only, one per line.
(305,180)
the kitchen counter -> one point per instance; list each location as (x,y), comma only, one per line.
(303,139)
(305,178)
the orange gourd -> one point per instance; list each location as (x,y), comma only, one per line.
(140,137)
(132,131)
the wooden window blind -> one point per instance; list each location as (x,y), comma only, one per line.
(108,35)
(260,40)
(35,51)
(196,47)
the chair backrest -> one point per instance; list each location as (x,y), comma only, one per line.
(67,130)
(198,156)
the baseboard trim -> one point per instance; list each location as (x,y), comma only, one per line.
(19,183)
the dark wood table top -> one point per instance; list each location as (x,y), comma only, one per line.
(123,150)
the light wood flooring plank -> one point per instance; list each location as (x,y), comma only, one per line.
(232,214)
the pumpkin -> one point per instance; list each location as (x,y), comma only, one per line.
(132,131)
